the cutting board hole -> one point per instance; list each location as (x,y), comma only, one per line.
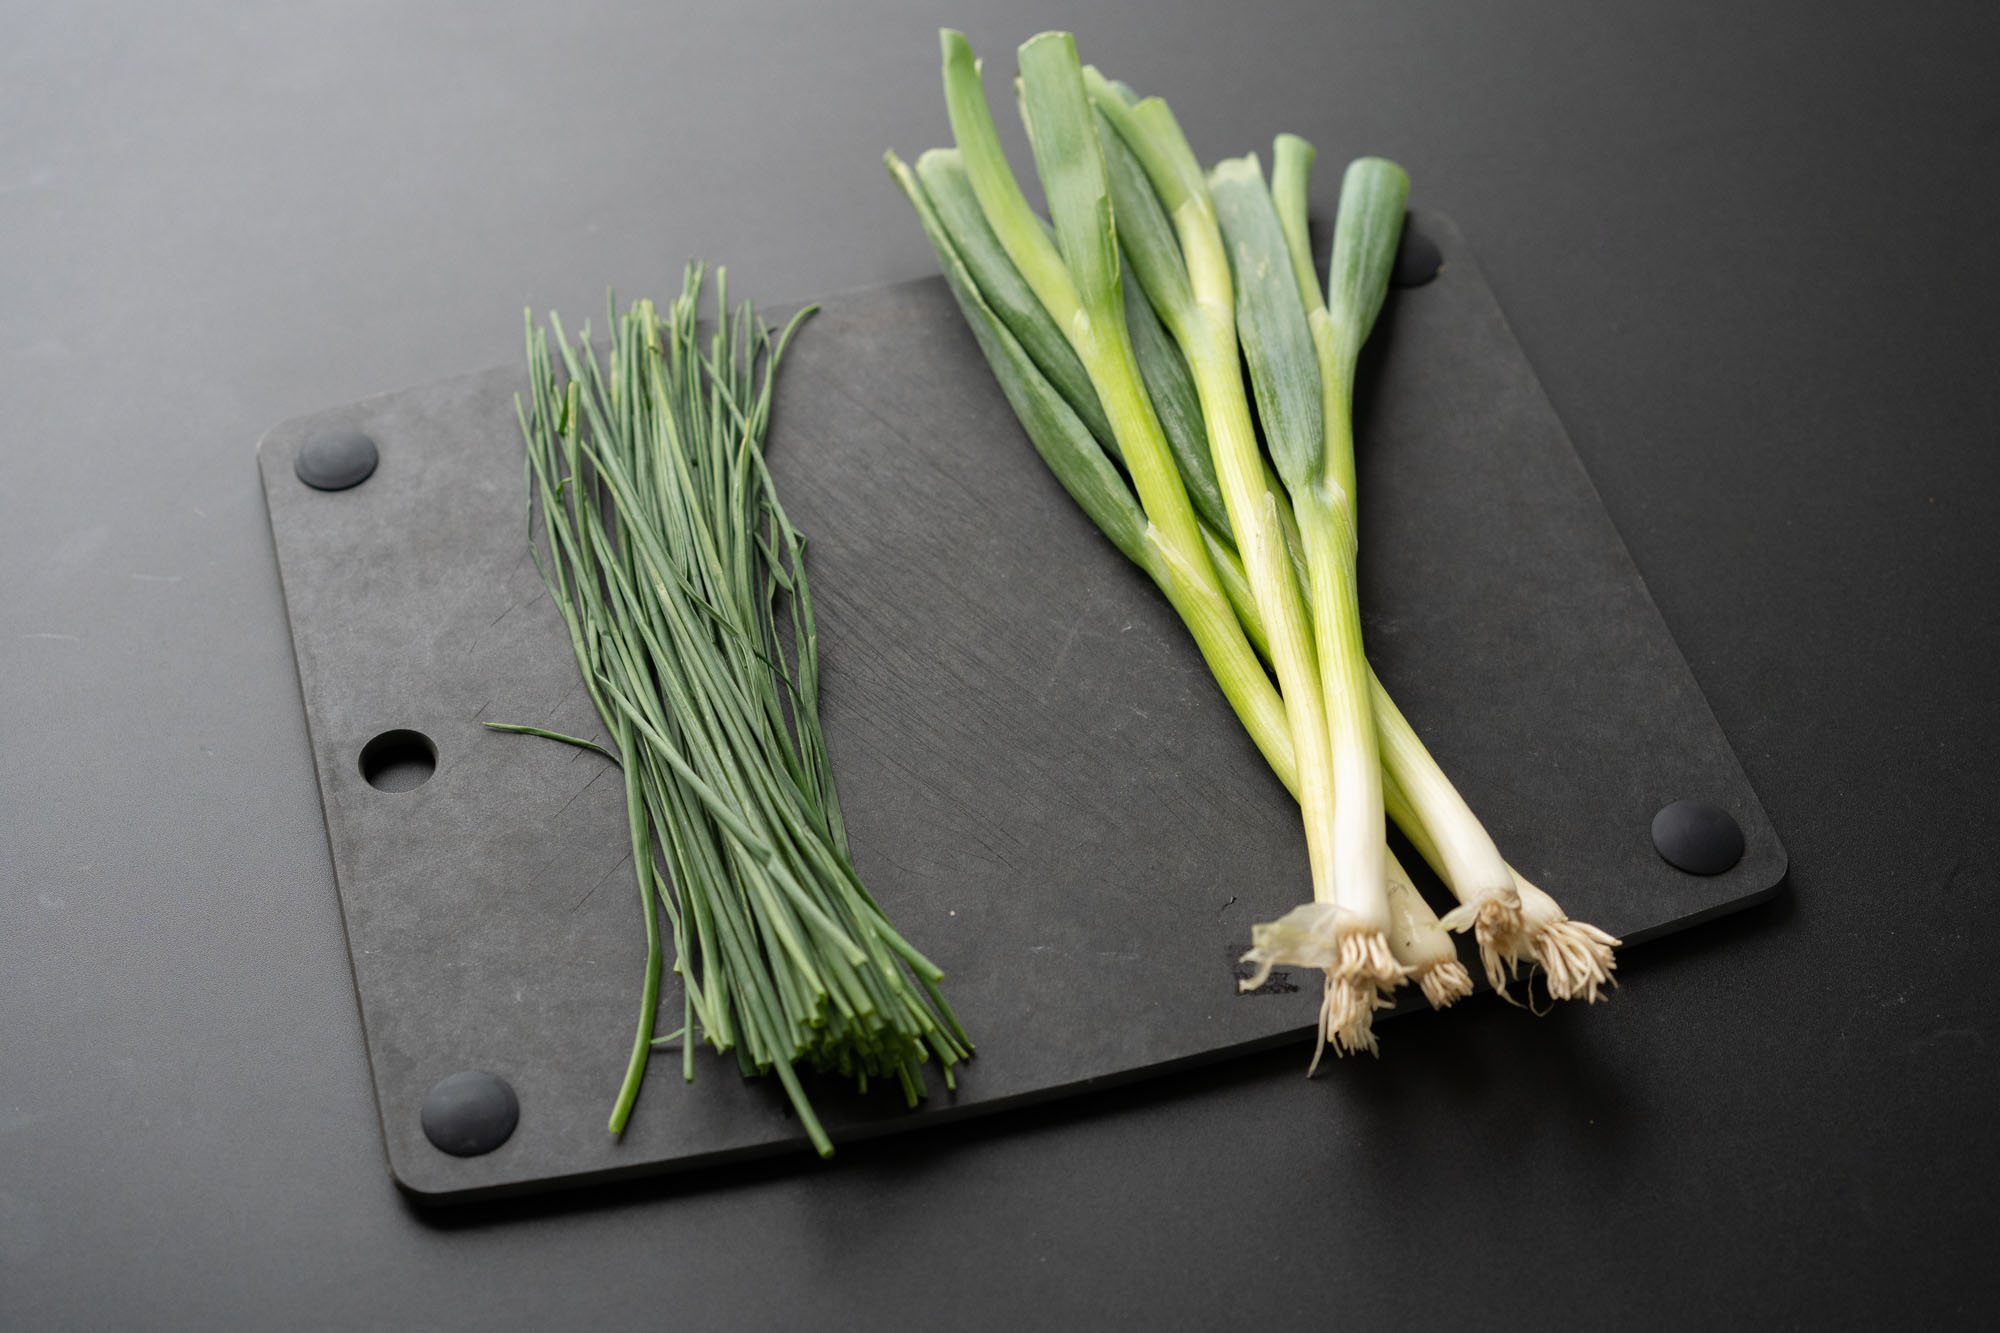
(399,760)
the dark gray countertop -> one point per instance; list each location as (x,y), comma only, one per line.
(1753,259)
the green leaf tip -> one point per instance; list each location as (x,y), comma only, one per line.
(1007,211)
(1374,193)
(1291,172)
(1052,35)
(1231,169)
(1071,164)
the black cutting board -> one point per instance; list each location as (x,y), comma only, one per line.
(1043,785)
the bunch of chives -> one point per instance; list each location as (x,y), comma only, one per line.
(1120,371)
(669,556)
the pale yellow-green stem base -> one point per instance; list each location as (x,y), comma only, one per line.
(1180,563)
(1211,619)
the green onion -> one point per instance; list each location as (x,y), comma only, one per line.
(1511,919)
(1140,196)
(1317,656)
(669,557)
(1288,377)
(1315,458)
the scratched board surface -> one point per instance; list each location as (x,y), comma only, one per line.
(1043,785)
